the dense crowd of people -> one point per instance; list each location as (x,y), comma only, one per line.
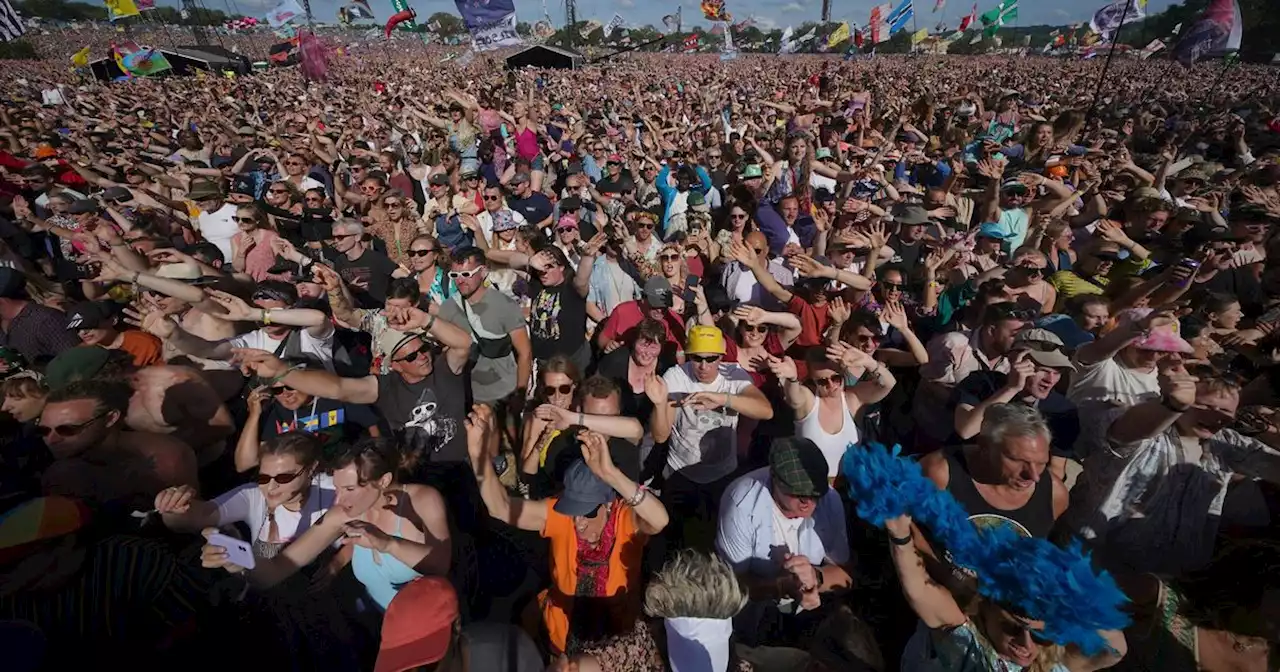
(440,366)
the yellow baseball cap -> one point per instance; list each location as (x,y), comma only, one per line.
(704,340)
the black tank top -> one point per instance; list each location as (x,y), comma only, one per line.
(1034,518)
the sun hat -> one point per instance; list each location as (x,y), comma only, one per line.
(584,492)
(391,340)
(1160,339)
(79,363)
(503,220)
(910,215)
(705,340)
(418,625)
(798,467)
(994,230)
(1043,347)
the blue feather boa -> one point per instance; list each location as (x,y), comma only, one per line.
(1031,576)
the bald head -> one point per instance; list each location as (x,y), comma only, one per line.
(758,244)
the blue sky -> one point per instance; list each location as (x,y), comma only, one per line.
(768,13)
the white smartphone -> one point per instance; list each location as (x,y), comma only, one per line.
(238,552)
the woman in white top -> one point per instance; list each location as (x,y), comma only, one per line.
(825,412)
(288,497)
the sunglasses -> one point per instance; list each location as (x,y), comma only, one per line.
(421,253)
(552,390)
(644,225)
(282,479)
(277,191)
(245,220)
(704,359)
(1031,270)
(413,356)
(70,430)
(828,380)
(281,389)
(369,189)
(892,285)
(465,275)
(293,163)
(492,198)
(546,270)
(713,156)
(343,236)
(736,217)
(754,328)
(393,204)
(669,257)
(562,229)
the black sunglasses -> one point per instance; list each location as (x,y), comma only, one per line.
(549,390)
(420,253)
(70,430)
(282,479)
(705,359)
(413,356)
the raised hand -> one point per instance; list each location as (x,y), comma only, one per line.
(752,315)
(406,318)
(366,535)
(259,362)
(1178,387)
(176,499)
(595,452)
(151,320)
(655,388)
(839,311)
(783,368)
(877,236)
(257,398)
(1021,371)
(808,267)
(554,415)
(237,309)
(895,314)
(480,427)
(851,358)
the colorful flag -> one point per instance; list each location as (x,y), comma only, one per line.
(1107,20)
(492,24)
(401,6)
(81,58)
(118,9)
(714,10)
(968,20)
(898,18)
(146,62)
(11,25)
(840,35)
(939,5)
(145,5)
(858,38)
(1216,33)
(284,13)
(1007,11)
(919,36)
(691,43)
(1152,47)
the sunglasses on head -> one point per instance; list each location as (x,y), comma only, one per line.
(465,275)
(420,253)
(70,430)
(552,390)
(282,479)
(704,359)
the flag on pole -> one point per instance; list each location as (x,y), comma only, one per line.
(919,36)
(284,13)
(1007,11)
(118,9)
(840,35)
(145,5)
(1216,33)
(1107,20)
(900,15)
(879,29)
(616,22)
(81,58)
(11,25)
(969,19)
(691,43)
(939,4)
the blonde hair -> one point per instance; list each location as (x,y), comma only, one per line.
(694,585)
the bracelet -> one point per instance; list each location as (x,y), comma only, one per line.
(581,419)
(902,541)
(638,498)
(283,375)
(728,401)
(430,323)
(1166,402)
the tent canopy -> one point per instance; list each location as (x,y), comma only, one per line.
(545,56)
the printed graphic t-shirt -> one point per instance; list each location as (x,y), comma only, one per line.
(428,413)
(557,320)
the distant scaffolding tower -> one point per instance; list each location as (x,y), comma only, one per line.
(826,10)
(570,22)
(197,31)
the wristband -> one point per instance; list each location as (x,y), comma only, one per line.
(902,541)
(1168,403)
(636,499)
(430,323)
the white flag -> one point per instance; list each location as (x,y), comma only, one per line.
(616,22)
(284,13)
(11,26)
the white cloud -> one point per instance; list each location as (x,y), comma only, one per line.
(1062,12)
(791,7)
(765,23)
(627,3)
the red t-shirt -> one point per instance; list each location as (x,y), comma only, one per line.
(622,322)
(772,345)
(813,324)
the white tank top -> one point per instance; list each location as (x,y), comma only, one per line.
(832,445)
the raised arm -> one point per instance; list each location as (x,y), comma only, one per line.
(514,511)
(933,603)
(317,383)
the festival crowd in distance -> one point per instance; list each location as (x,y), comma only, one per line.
(436,366)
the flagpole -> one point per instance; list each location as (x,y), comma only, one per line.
(1115,39)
